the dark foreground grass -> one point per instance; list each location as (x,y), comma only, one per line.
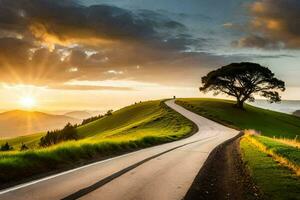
(154,123)
(270,123)
(275,181)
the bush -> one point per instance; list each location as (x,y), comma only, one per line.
(6,147)
(109,113)
(69,132)
(91,119)
(23,147)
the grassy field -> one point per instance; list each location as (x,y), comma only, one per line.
(273,163)
(269,123)
(30,140)
(275,179)
(136,126)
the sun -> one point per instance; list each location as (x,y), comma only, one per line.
(28,102)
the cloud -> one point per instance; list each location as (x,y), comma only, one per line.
(273,24)
(90,87)
(52,42)
(65,23)
(255,41)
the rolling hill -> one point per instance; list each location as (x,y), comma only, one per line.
(131,122)
(19,122)
(130,128)
(137,126)
(269,123)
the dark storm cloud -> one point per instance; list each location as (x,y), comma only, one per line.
(67,22)
(273,24)
(63,40)
(255,41)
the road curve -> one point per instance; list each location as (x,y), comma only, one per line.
(161,172)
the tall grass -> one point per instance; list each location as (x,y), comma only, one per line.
(291,142)
(282,160)
(274,180)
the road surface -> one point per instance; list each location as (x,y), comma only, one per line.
(161,172)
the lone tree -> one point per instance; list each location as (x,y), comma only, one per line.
(243,80)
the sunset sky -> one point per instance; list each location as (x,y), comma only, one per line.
(101,54)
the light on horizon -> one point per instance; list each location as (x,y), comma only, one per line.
(28,102)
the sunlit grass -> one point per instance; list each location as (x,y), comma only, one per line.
(274,180)
(285,155)
(137,126)
(292,142)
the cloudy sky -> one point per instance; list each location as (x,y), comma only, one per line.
(100,54)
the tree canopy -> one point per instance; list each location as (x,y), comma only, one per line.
(243,80)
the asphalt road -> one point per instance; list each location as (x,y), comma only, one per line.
(161,172)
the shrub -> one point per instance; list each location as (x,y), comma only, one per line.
(109,113)
(6,147)
(23,147)
(91,119)
(69,132)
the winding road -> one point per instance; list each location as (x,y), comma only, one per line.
(161,172)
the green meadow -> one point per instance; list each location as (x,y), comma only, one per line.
(137,126)
(268,122)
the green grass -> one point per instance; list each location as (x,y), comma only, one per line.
(284,150)
(275,181)
(30,140)
(133,127)
(270,123)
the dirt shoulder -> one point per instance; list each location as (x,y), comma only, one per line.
(224,176)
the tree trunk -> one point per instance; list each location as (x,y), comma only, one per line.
(240,104)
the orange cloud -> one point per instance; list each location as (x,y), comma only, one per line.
(274,21)
(50,38)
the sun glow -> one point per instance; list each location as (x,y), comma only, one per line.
(28,102)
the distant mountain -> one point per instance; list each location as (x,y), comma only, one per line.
(297,113)
(19,122)
(78,114)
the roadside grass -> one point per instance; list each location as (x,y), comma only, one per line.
(284,155)
(291,142)
(274,180)
(269,123)
(281,149)
(137,126)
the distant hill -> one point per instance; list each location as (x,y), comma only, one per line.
(79,114)
(18,122)
(297,113)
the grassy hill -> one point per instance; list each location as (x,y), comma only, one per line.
(269,123)
(273,163)
(136,126)
(19,122)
